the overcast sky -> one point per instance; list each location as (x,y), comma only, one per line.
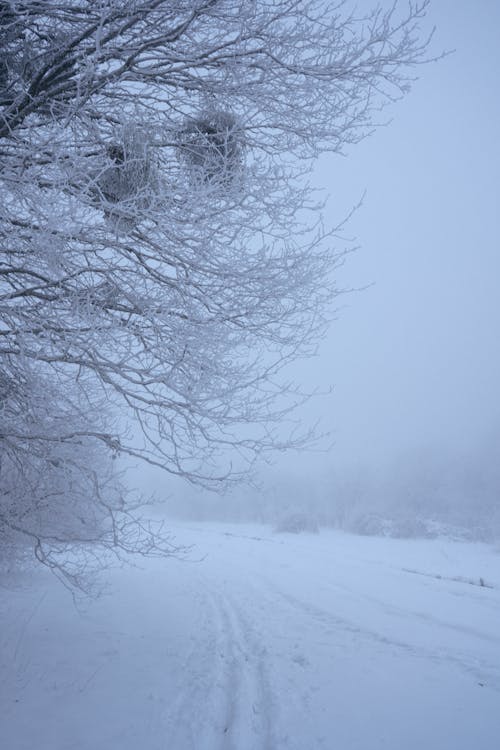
(415,358)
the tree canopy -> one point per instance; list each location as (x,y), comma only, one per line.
(161,253)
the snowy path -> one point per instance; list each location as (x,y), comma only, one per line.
(263,642)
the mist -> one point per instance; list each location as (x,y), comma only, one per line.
(195,554)
(413,360)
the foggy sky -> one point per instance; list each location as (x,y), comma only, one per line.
(415,358)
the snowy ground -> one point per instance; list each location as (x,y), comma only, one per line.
(262,641)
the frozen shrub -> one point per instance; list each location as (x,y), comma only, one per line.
(370,524)
(411,528)
(297,523)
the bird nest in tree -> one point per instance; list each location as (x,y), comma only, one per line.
(128,186)
(212,148)
(128,176)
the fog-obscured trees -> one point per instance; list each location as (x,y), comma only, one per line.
(161,255)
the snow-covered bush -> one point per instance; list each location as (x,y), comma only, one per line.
(296,523)
(372,524)
(369,524)
(411,528)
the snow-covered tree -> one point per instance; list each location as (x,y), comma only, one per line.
(160,248)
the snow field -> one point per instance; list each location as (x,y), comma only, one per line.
(260,641)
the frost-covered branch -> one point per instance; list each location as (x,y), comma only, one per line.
(161,253)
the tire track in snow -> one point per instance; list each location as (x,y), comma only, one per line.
(248,709)
(483,672)
(224,702)
(193,721)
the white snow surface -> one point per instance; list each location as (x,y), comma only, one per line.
(261,641)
